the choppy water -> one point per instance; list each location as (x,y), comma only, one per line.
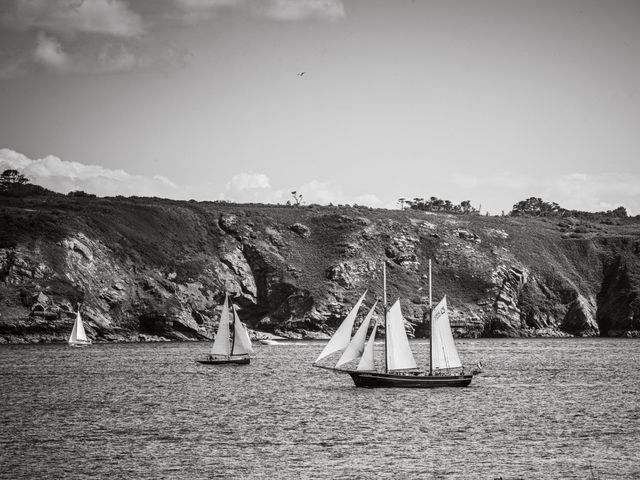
(560,408)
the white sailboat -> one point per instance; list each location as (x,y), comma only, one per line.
(78,337)
(400,368)
(232,344)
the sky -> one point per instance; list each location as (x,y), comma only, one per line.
(345,102)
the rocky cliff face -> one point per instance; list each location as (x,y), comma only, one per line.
(146,269)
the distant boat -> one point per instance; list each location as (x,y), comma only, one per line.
(78,336)
(400,369)
(268,341)
(232,344)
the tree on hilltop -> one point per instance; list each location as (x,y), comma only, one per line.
(11,178)
(536,207)
(297,198)
(435,204)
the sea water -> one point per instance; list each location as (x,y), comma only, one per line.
(544,408)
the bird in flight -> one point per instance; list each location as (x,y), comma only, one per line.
(301,74)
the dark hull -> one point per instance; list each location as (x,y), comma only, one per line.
(226,361)
(395,380)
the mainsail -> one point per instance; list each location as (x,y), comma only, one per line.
(241,340)
(221,343)
(399,355)
(367,362)
(444,353)
(356,346)
(341,338)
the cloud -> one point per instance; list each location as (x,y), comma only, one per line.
(70,17)
(295,10)
(575,191)
(49,53)
(191,11)
(80,37)
(61,176)
(110,36)
(115,58)
(601,192)
(256,188)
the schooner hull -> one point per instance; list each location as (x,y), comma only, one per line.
(226,361)
(79,344)
(395,380)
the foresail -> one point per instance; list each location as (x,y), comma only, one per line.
(221,342)
(399,355)
(356,346)
(342,336)
(241,340)
(445,353)
(81,335)
(367,361)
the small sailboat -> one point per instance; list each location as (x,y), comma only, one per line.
(78,337)
(400,368)
(232,344)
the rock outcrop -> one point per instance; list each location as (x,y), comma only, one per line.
(151,269)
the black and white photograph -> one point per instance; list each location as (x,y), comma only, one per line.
(320,239)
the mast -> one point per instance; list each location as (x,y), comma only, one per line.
(430,326)
(386,327)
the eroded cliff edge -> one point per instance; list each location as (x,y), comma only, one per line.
(148,268)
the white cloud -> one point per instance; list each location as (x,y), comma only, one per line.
(605,191)
(256,188)
(496,192)
(191,11)
(108,36)
(69,17)
(248,181)
(61,176)
(294,10)
(115,58)
(107,58)
(575,191)
(251,188)
(49,53)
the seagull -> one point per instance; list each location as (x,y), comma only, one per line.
(301,74)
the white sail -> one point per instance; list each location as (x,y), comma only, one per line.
(366,361)
(241,340)
(221,343)
(342,336)
(78,336)
(356,346)
(81,335)
(399,355)
(444,354)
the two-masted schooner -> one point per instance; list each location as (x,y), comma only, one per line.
(78,337)
(400,368)
(232,344)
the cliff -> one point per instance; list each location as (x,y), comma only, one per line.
(148,268)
